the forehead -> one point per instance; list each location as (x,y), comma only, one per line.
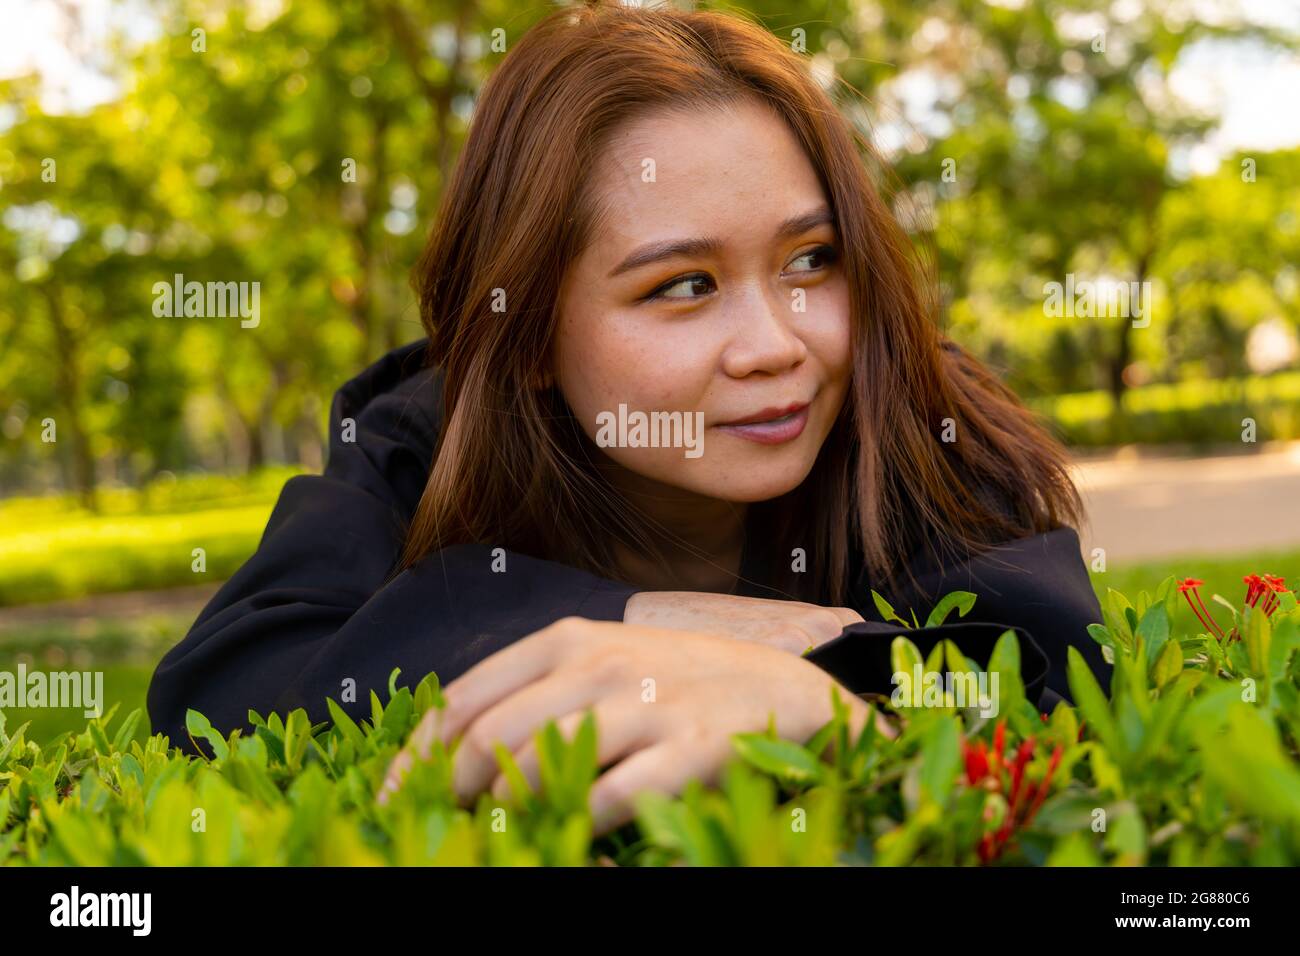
(706,170)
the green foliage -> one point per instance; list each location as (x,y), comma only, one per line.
(232,164)
(1198,412)
(51,548)
(1190,759)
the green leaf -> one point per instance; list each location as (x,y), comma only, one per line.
(98,737)
(397,715)
(783,759)
(1170,662)
(519,788)
(962,601)
(1286,638)
(428,695)
(297,734)
(940,759)
(1153,632)
(957,662)
(905,657)
(200,727)
(126,732)
(934,663)
(886,609)
(12,741)
(1101,634)
(1117,610)
(1257,635)
(1248,762)
(1005,662)
(346,725)
(1090,701)
(1220,599)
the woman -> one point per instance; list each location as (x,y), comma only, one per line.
(684,403)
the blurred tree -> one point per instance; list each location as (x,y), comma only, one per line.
(304,147)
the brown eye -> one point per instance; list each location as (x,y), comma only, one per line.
(823,256)
(699,284)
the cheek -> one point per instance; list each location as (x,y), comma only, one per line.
(606,361)
(828,333)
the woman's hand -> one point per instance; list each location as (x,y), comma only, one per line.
(666,704)
(791,626)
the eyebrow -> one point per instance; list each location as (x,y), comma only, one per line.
(706,245)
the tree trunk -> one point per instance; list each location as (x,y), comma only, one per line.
(70,389)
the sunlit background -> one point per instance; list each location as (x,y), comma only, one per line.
(1121,141)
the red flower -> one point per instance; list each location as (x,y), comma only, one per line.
(977,764)
(1268,587)
(1023,797)
(1261,591)
(1188,589)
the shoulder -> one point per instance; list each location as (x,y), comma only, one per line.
(384,426)
(396,399)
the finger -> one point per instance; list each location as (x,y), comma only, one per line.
(393,776)
(619,731)
(420,744)
(847,615)
(883,725)
(662,768)
(516,719)
(822,623)
(503,673)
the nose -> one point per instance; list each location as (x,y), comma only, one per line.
(764,338)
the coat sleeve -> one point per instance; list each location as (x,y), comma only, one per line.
(1039,586)
(314,606)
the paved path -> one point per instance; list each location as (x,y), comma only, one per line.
(128,604)
(1151,507)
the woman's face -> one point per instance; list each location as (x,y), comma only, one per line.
(711,289)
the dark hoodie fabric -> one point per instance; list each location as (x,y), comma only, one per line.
(317,605)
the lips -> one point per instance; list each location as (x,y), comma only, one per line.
(772,426)
(769,414)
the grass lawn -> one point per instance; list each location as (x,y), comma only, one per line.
(124,684)
(52,549)
(126,651)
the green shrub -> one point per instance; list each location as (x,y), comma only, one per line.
(1191,759)
(1201,413)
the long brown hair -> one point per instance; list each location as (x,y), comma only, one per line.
(513,468)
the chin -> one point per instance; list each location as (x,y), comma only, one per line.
(760,481)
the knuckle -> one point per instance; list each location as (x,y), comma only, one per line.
(615,792)
(609,665)
(482,738)
(563,629)
(828,620)
(792,638)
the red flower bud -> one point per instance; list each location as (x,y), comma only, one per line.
(977,763)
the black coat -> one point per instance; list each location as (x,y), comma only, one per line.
(311,608)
